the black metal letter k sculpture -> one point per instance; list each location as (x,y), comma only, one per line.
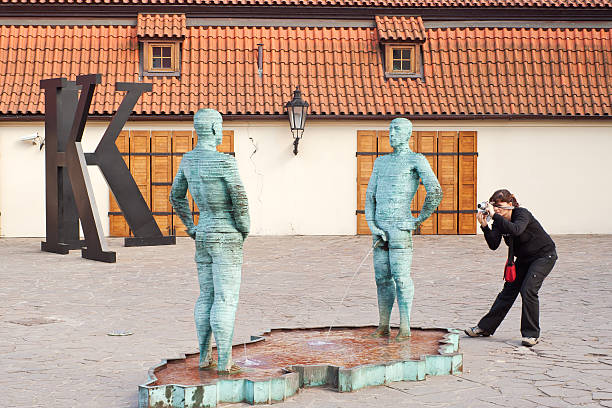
(69,193)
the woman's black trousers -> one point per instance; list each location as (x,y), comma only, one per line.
(529,278)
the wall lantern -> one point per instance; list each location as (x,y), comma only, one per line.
(297,110)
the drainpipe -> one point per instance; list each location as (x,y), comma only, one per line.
(260,60)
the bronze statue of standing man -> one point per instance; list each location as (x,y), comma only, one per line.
(392,186)
(212,179)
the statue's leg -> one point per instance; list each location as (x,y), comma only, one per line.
(226,271)
(385,288)
(400,256)
(204,304)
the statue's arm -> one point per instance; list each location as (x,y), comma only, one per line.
(432,187)
(178,199)
(370,205)
(240,203)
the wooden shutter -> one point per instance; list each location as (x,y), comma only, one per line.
(447,175)
(117,223)
(140,164)
(182,142)
(384,145)
(427,144)
(227,145)
(161,179)
(467,182)
(414,207)
(366,154)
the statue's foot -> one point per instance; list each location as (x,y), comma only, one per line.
(206,361)
(381,332)
(234,369)
(208,366)
(402,335)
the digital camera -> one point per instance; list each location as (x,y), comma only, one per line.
(483,208)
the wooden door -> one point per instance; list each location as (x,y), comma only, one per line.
(452,157)
(153,157)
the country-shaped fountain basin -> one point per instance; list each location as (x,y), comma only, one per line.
(277,364)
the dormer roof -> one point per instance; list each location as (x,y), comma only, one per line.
(161,26)
(401,28)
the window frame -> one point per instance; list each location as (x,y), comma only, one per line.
(148,57)
(415,62)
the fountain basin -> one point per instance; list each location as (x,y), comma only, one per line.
(280,362)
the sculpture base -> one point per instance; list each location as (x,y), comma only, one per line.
(62,249)
(280,362)
(149,241)
(101,256)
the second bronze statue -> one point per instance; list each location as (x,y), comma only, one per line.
(212,179)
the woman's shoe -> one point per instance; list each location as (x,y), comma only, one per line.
(530,341)
(476,332)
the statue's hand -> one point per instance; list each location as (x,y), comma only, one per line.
(410,224)
(378,233)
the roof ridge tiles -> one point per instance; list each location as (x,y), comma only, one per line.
(593,4)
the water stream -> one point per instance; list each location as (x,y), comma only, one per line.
(346,293)
(246,360)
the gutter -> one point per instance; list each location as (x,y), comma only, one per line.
(232,117)
(110,11)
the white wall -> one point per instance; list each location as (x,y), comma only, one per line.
(22,179)
(560,172)
(313,193)
(553,167)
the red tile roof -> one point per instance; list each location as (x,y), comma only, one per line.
(161,25)
(400,28)
(477,71)
(344,3)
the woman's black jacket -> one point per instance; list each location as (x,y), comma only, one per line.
(530,239)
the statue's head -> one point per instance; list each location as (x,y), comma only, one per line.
(400,131)
(208,124)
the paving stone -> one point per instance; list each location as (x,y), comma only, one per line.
(550,402)
(298,282)
(553,390)
(602,395)
(583,400)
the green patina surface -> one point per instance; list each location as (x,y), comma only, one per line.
(214,183)
(392,186)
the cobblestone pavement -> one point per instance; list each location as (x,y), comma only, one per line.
(56,311)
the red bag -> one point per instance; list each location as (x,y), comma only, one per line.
(509,271)
(510,268)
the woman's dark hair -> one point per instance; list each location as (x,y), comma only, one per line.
(504,195)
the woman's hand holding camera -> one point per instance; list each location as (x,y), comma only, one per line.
(482,218)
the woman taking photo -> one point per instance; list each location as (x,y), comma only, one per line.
(535,257)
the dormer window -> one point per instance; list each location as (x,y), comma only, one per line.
(160,37)
(401,38)
(161,57)
(401,59)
